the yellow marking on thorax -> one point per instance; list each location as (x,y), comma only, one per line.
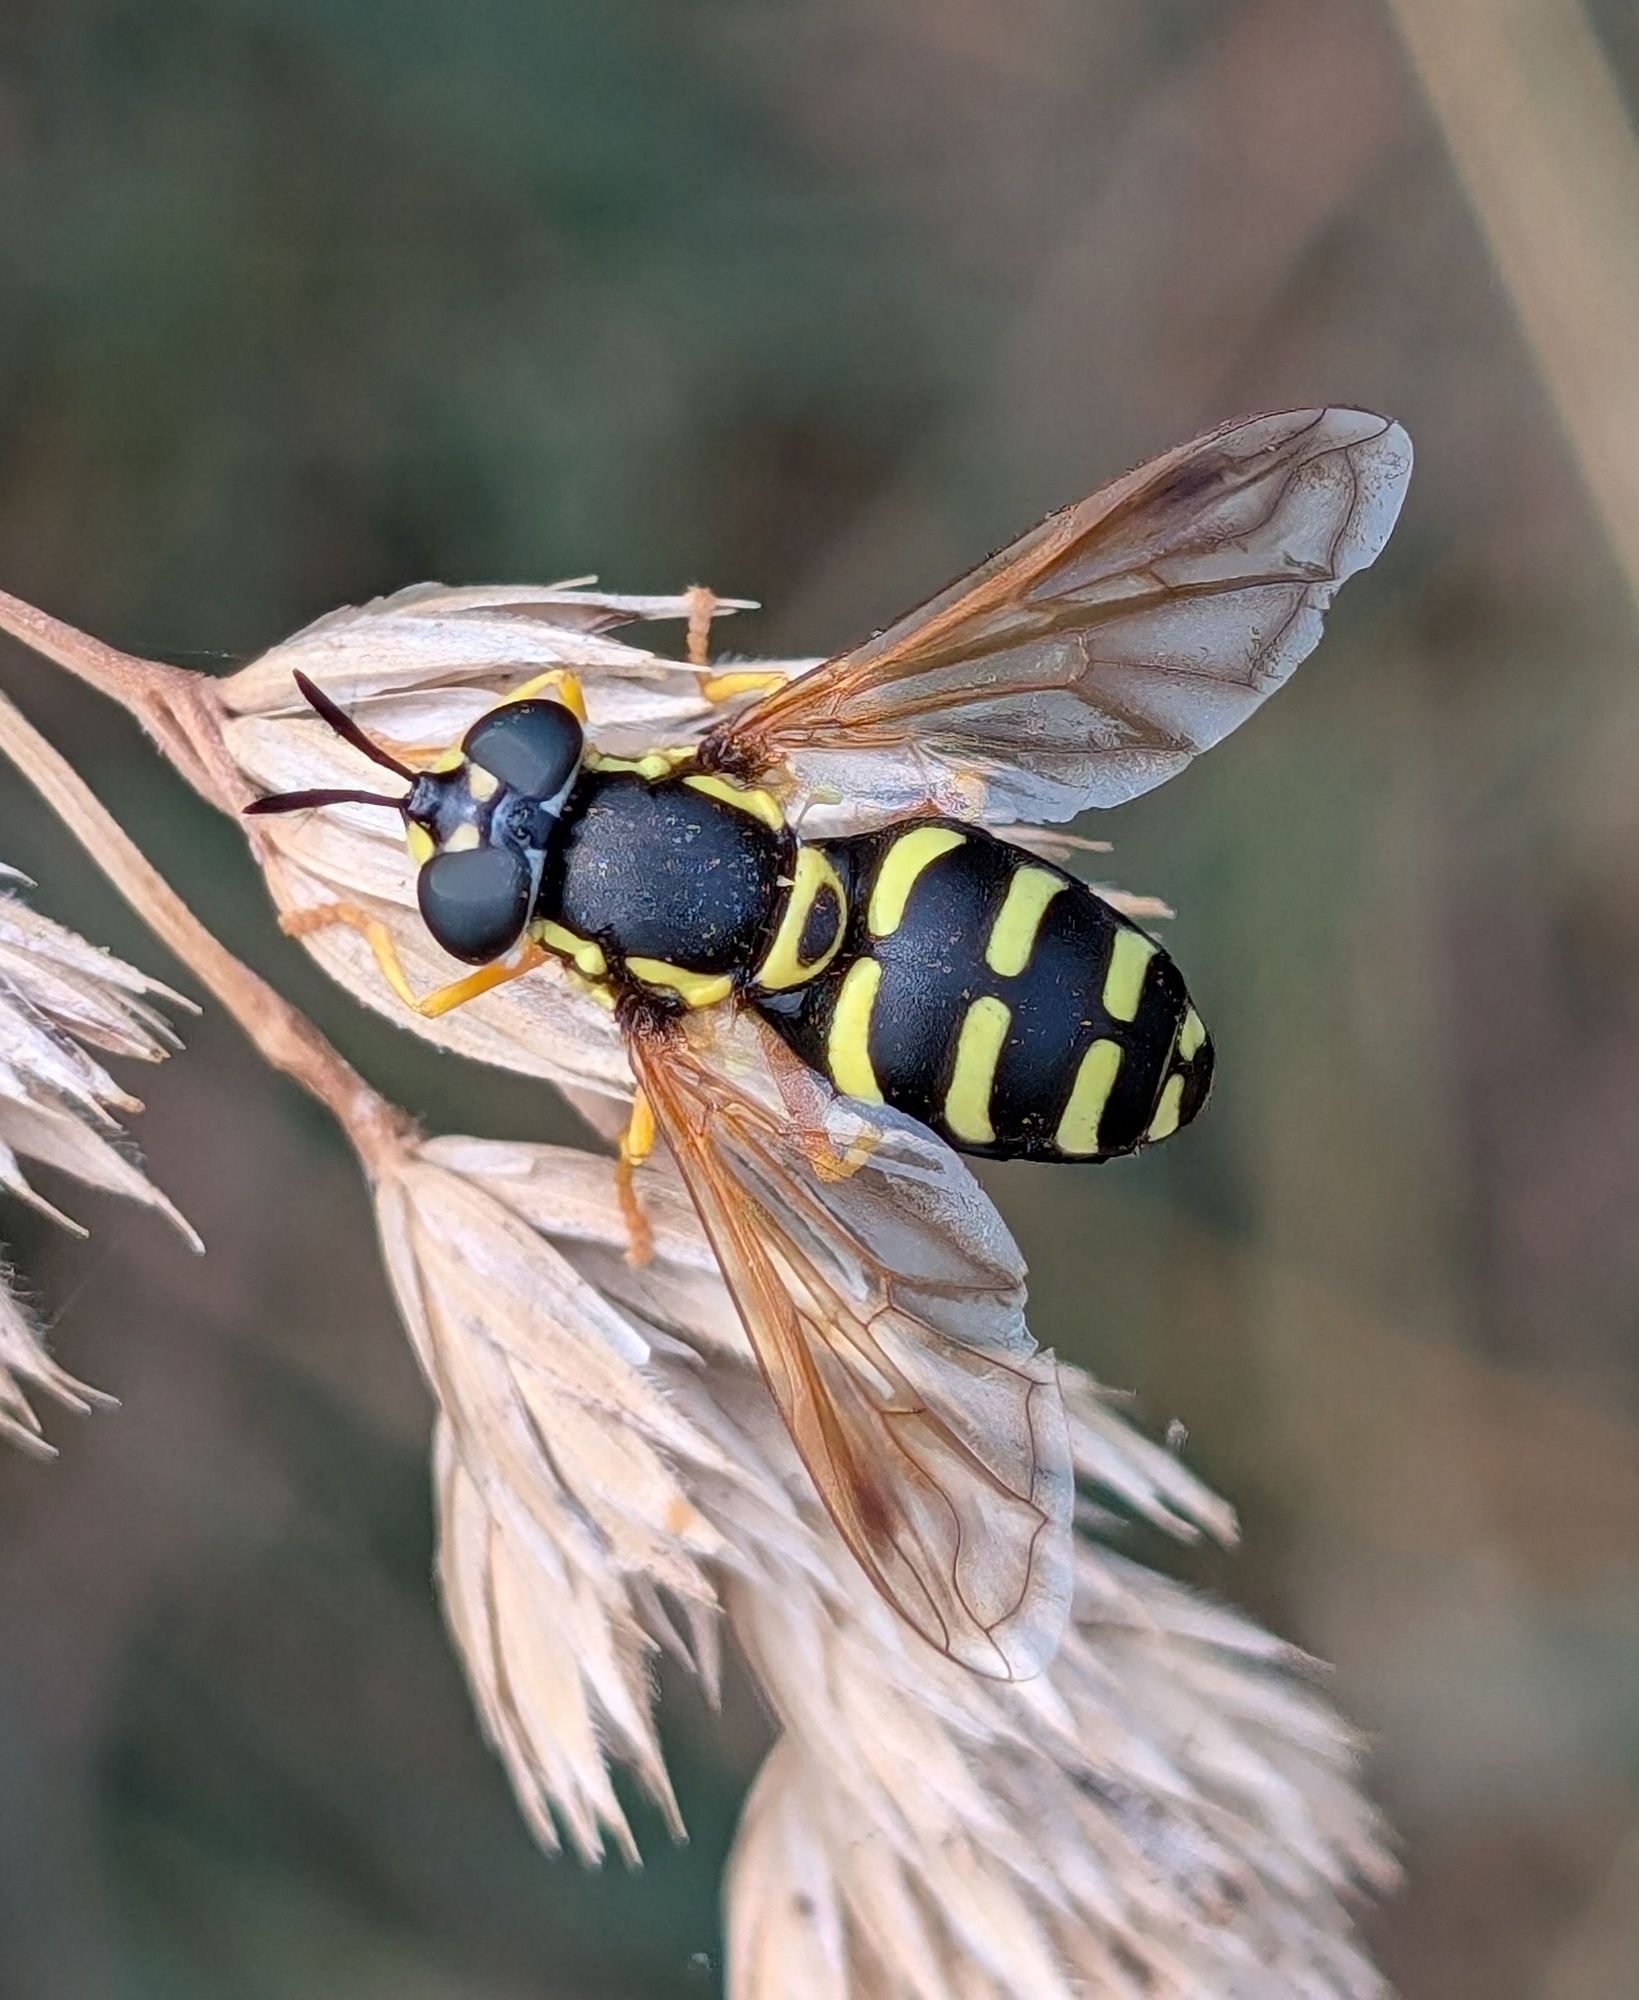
(1191,1035)
(1165,1121)
(743,798)
(586,957)
(901,865)
(1013,935)
(482,784)
(1130,957)
(783,965)
(694,989)
(978,1050)
(848,1045)
(463,840)
(652,764)
(420,842)
(1095,1079)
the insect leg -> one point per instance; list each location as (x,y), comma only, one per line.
(808,1102)
(703,603)
(442,999)
(636,1144)
(565,685)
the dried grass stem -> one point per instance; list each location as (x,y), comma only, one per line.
(282,1034)
(177,706)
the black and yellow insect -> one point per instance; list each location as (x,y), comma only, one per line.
(815,1022)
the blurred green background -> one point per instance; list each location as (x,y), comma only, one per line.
(301,300)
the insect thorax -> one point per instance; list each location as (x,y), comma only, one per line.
(666,878)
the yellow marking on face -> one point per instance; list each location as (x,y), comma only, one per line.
(746,799)
(694,989)
(896,878)
(1013,934)
(482,784)
(978,1050)
(463,840)
(1165,1121)
(582,953)
(1130,957)
(651,765)
(448,760)
(420,842)
(1095,1079)
(848,1046)
(784,966)
(1191,1035)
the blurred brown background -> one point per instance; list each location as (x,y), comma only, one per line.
(301,300)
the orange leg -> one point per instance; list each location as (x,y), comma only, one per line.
(443,999)
(703,603)
(636,1144)
(807,1101)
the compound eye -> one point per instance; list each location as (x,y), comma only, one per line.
(533,747)
(476,902)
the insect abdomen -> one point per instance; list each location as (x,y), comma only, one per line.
(999,1001)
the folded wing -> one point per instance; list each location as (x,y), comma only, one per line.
(884,1299)
(1097,655)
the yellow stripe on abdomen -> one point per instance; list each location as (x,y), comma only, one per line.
(896,877)
(1013,935)
(1165,1121)
(848,1044)
(1095,1079)
(1130,956)
(1191,1035)
(978,1050)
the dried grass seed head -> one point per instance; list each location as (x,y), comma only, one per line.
(60,998)
(1167,1811)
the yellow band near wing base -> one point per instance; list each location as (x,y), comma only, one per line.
(694,989)
(783,966)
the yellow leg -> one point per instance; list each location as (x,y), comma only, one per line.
(443,999)
(703,604)
(636,1144)
(724,687)
(431,757)
(564,684)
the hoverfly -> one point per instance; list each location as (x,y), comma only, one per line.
(818,1026)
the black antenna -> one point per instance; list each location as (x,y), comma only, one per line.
(289,802)
(349,731)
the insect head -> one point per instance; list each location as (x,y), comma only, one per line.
(479,822)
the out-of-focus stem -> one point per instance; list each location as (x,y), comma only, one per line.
(1540,136)
(282,1034)
(178,707)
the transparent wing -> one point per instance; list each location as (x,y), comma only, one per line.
(884,1299)
(1097,655)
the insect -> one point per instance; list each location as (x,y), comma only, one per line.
(817,1027)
